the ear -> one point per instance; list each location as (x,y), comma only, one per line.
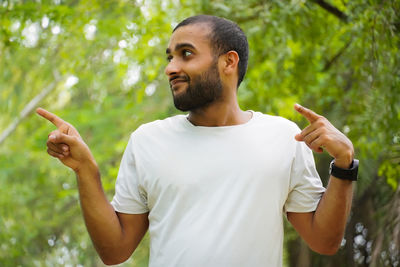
(230,62)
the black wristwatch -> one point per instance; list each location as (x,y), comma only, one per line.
(345,174)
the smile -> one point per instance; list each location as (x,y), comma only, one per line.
(177,81)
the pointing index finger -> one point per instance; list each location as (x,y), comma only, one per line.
(310,115)
(57,121)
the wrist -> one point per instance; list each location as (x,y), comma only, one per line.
(87,167)
(345,161)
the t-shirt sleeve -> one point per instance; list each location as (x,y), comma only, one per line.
(128,197)
(305,188)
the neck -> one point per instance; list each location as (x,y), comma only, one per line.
(221,113)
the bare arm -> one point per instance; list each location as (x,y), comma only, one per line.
(323,229)
(114,235)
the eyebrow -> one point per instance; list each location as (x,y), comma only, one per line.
(180,46)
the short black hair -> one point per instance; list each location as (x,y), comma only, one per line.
(225,36)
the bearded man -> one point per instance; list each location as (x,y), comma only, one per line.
(212,186)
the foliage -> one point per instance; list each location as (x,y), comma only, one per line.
(105,60)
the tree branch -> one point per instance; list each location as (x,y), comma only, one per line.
(329,63)
(29,108)
(332,9)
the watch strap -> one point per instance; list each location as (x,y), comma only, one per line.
(345,174)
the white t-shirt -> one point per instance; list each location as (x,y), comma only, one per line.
(216,196)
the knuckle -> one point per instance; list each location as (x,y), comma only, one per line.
(50,152)
(320,122)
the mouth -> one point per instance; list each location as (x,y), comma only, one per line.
(175,81)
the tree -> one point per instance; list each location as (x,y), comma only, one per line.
(105,62)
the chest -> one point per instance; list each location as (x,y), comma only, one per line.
(199,169)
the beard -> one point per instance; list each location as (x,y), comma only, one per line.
(202,90)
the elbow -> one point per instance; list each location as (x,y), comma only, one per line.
(112,257)
(109,263)
(112,260)
(327,248)
(329,251)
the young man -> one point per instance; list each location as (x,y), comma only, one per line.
(212,187)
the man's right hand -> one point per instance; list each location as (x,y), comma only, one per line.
(115,235)
(66,144)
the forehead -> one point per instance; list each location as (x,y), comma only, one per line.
(196,35)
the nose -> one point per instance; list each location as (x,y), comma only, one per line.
(172,67)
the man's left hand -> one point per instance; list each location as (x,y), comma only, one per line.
(321,134)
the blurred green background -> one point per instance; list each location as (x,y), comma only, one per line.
(100,66)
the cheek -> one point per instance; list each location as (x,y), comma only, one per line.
(199,66)
(193,69)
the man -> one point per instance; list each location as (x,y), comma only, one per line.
(212,187)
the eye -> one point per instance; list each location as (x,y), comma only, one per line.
(187,53)
(169,58)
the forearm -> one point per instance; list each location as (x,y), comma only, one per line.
(331,215)
(329,220)
(100,218)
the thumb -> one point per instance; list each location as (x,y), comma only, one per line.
(298,137)
(59,137)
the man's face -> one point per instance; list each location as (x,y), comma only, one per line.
(192,69)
